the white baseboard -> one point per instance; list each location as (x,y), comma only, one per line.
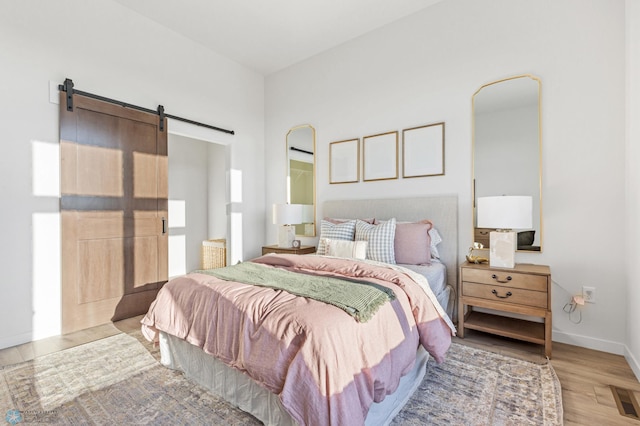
(590,342)
(633,362)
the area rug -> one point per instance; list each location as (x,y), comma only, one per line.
(118,380)
(476,387)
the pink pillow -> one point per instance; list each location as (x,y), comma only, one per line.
(412,243)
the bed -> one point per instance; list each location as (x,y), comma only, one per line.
(288,359)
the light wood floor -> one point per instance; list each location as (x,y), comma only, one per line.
(585,374)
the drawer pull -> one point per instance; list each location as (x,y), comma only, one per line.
(495,277)
(501,297)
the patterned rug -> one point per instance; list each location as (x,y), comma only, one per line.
(476,387)
(118,380)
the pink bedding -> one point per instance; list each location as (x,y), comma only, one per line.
(326,367)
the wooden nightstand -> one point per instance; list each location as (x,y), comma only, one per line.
(300,250)
(524,290)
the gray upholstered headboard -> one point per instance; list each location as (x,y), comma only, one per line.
(441,210)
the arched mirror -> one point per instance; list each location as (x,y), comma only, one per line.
(301,175)
(507,150)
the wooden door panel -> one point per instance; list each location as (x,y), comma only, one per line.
(96,129)
(163,179)
(114,198)
(68,166)
(145,175)
(95,227)
(145,252)
(91,170)
(99,171)
(100,262)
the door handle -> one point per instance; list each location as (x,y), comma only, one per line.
(164,226)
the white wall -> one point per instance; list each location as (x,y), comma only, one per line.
(632,223)
(108,50)
(217,227)
(189,187)
(425,68)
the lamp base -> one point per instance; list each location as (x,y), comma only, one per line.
(502,252)
(286,235)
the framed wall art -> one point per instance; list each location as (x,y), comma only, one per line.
(344,161)
(423,151)
(380,154)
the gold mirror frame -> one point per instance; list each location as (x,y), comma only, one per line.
(301,180)
(509,102)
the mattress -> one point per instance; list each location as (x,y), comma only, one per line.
(239,390)
(436,275)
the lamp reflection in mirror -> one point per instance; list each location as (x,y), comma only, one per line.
(307,219)
(287,215)
(504,213)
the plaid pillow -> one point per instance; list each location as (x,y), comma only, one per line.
(380,240)
(335,231)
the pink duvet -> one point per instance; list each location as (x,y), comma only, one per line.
(326,368)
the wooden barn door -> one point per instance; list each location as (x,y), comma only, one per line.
(113,163)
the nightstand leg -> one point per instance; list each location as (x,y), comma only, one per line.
(547,335)
(460,331)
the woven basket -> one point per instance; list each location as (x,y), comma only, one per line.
(213,254)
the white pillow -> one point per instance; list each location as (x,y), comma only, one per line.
(435,240)
(380,238)
(346,249)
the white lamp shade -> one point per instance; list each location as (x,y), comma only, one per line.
(287,214)
(505,212)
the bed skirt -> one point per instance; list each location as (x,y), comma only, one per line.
(239,390)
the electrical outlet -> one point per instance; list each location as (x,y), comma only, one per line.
(589,294)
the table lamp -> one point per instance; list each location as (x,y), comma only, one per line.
(287,215)
(504,213)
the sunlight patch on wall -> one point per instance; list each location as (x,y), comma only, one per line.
(236,236)
(177,213)
(235,186)
(46,169)
(46,275)
(177,255)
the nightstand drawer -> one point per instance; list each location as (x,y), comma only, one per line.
(511,295)
(506,279)
(481,235)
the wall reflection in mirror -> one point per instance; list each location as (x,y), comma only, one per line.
(301,175)
(507,150)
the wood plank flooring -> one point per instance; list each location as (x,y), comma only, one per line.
(585,374)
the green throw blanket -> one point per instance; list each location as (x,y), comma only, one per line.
(359,299)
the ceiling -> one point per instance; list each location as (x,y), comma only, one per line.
(268,36)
